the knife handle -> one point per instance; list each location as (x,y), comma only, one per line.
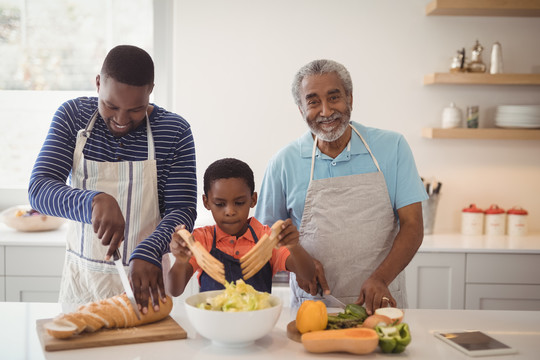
(116,254)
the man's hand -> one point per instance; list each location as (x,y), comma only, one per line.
(108,222)
(374,294)
(319,278)
(147,282)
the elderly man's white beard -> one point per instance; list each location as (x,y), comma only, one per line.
(335,134)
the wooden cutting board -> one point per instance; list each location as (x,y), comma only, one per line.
(292,332)
(166,329)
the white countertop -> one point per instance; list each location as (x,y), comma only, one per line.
(12,237)
(519,329)
(481,244)
(432,243)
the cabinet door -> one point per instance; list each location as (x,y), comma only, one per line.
(2,272)
(436,281)
(2,262)
(503,269)
(30,261)
(32,289)
(502,297)
(2,288)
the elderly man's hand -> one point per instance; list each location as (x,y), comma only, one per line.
(319,279)
(147,282)
(374,294)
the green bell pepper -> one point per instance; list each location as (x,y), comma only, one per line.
(357,311)
(393,338)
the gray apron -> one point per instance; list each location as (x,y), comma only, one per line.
(349,226)
(87,276)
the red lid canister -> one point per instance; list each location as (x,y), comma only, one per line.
(517,211)
(473,209)
(494,210)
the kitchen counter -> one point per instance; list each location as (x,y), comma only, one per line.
(519,329)
(454,242)
(12,237)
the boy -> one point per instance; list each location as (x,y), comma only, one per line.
(229,193)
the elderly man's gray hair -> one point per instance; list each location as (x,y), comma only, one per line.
(320,67)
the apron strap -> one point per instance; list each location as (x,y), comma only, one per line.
(84,134)
(348,146)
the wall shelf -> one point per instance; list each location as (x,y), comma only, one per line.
(521,8)
(481,79)
(482,133)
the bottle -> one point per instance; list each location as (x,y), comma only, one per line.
(472,117)
(496,59)
(477,65)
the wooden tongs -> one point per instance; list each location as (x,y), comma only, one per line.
(212,266)
(259,255)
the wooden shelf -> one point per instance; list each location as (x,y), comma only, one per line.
(481,79)
(482,133)
(521,8)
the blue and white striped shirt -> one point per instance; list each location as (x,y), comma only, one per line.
(50,194)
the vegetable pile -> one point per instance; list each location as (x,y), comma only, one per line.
(328,333)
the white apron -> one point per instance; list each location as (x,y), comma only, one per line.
(87,276)
(349,226)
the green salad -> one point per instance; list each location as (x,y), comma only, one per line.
(237,297)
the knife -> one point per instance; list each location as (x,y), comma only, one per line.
(331,299)
(125,282)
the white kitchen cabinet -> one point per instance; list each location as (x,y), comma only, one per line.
(502,297)
(32,289)
(34,261)
(503,282)
(471,279)
(436,281)
(2,282)
(33,274)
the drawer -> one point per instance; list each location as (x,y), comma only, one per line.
(502,297)
(32,289)
(34,261)
(503,268)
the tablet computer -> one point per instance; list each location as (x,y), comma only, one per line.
(474,343)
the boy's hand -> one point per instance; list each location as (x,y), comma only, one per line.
(179,247)
(289,235)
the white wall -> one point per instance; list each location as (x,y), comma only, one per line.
(235,60)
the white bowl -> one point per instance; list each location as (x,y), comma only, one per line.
(38,222)
(231,329)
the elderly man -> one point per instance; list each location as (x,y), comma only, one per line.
(353,191)
(131,166)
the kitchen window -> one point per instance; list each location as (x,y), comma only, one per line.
(51,52)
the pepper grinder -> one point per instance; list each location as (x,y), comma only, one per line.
(496,59)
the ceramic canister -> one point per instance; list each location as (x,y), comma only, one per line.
(452,117)
(517,221)
(472,220)
(495,220)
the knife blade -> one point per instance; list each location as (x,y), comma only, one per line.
(330,299)
(125,282)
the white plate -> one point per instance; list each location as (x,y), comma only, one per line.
(12,218)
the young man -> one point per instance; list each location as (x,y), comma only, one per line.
(353,191)
(131,166)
